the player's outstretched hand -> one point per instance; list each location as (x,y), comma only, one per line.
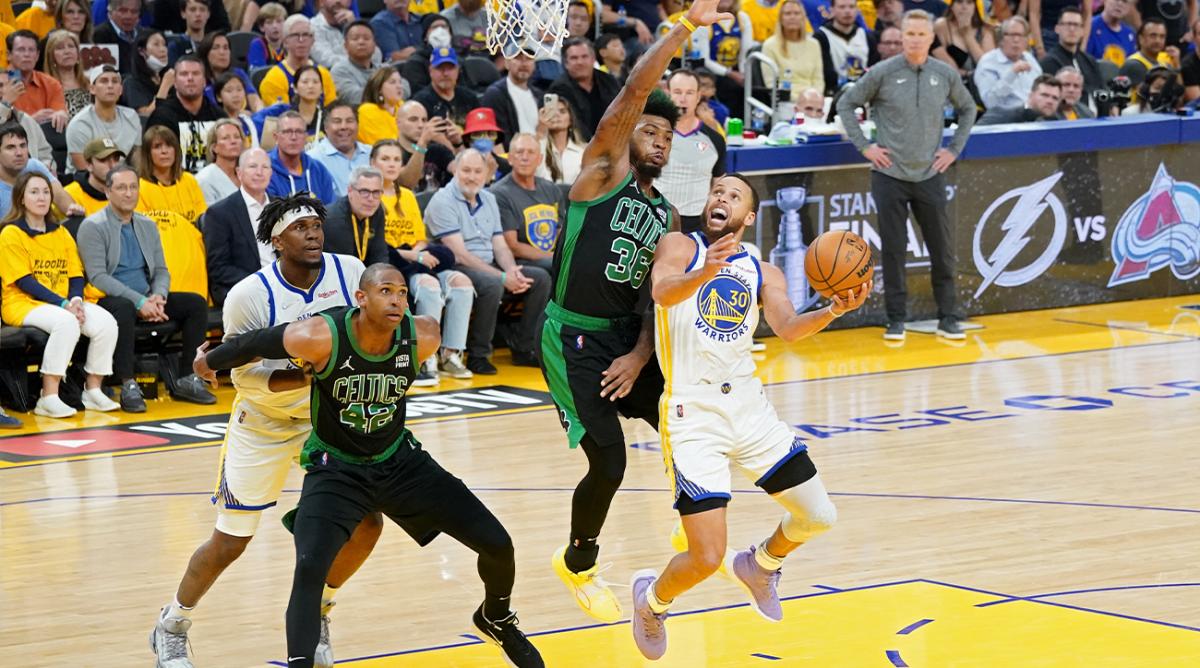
(704,13)
(717,254)
(620,375)
(200,365)
(844,302)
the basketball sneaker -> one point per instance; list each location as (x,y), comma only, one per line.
(518,651)
(169,641)
(592,593)
(323,656)
(649,627)
(452,365)
(679,543)
(762,585)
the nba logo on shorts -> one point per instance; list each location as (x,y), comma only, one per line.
(579,342)
(723,303)
(1160,229)
(678,410)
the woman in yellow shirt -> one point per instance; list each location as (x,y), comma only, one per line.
(43,283)
(435,288)
(792,49)
(380,109)
(172,198)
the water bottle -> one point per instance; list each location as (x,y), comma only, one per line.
(733,132)
(785,111)
(758,121)
(789,250)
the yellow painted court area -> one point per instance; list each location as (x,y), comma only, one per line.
(906,623)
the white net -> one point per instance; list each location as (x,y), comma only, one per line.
(534,26)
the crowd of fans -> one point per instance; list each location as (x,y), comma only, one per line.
(172,123)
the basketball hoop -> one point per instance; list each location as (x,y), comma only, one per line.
(536,27)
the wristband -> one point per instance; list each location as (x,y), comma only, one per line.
(420,254)
(419,149)
(683,21)
(141,303)
(64,303)
(835,315)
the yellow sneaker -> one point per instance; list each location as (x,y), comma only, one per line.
(679,543)
(592,593)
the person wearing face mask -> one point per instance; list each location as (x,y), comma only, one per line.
(152,80)
(435,34)
(482,134)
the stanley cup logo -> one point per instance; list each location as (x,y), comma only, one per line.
(789,250)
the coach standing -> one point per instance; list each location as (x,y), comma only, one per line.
(907,94)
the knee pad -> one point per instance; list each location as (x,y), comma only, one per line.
(809,511)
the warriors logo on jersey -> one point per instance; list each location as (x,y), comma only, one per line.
(541,225)
(722,304)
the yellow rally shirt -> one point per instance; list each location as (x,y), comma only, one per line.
(175,209)
(275,85)
(403,227)
(82,198)
(51,258)
(376,122)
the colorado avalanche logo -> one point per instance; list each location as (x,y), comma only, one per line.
(723,303)
(1160,229)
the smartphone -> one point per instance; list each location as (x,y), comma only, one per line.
(549,98)
(14,76)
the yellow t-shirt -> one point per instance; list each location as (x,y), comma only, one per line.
(82,198)
(6,12)
(52,258)
(376,122)
(5,31)
(764,19)
(405,227)
(36,19)
(174,209)
(274,86)
(422,7)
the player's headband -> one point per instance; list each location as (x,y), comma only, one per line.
(290,217)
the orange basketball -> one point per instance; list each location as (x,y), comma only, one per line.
(838,261)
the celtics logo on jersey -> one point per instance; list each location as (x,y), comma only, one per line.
(724,302)
(541,225)
(369,400)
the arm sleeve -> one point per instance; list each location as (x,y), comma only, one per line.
(377,248)
(75,287)
(243,349)
(247,308)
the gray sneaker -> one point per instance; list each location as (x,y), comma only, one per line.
(948,328)
(452,365)
(169,642)
(427,375)
(192,390)
(132,400)
(323,657)
(649,628)
(894,332)
(762,585)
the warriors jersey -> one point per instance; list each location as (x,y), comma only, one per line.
(265,299)
(706,338)
(726,45)
(603,254)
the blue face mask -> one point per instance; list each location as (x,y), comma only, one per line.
(483,145)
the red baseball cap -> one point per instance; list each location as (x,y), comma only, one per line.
(482,119)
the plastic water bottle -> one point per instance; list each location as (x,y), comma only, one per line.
(789,250)
(785,111)
(758,121)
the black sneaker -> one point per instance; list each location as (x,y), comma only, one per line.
(894,332)
(518,651)
(132,400)
(948,328)
(481,366)
(522,358)
(192,389)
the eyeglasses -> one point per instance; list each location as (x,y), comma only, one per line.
(292,132)
(368,193)
(1071,24)
(300,35)
(1019,35)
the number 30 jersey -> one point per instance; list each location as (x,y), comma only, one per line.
(604,252)
(706,338)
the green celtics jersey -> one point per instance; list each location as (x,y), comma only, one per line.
(604,252)
(358,399)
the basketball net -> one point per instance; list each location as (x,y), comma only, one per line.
(534,26)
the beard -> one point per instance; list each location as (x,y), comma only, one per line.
(647,170)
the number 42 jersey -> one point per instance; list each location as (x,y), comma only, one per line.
(604,252)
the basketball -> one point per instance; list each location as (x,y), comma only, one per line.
(838,261)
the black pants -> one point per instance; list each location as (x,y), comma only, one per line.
(415,493)
(489,290)
(927,198)
(189,309)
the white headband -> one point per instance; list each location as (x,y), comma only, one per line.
(291,217)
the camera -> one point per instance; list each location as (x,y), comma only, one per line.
(1115,96)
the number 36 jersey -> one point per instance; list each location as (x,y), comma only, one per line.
(706,338)
(603,255)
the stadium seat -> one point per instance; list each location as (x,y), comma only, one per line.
(239,47)
(423,199)
(258,74)
(369,8)
(480,72)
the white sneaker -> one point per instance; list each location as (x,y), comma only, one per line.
(95,400)
(452,365)
(169,642)
(53,407)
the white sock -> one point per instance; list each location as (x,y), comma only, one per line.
(767,560)
(327,596)
(656,606)
(179,611)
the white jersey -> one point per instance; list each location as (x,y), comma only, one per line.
(706,338)
(265,299)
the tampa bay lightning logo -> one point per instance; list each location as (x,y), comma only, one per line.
(1160,229)
(723,302)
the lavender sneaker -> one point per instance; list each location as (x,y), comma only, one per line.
(649,629)
(762,585)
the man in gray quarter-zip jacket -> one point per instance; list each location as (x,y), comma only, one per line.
(907,95)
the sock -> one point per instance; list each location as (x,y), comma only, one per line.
(327,597)
(179,611)
(495,608)
(657,606)
(581,554)
(767,560)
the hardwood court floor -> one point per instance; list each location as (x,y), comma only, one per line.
(1026,498)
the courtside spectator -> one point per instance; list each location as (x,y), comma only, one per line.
(42,97)
(1004,76)
(379,113)
(443,96)
(217,56)
(354,224)
(328,26)
(38,18)
(562,142)
(1067,51)
(468,24)
(230,95)
(188,114)
(513,98)
(122,29)
(168,16)
(358,63)
(1072,107)
(277,84)
(847,48)
(1175,16)
(610,51)
(75,16)
(531,208)
(425,142)
(1152,50)
(172,198)
(15,161)
(230,226)
(963,34)
(104,118)
(100,155)
(219,179)
(1042,105)
(151,80)
(63,63)
(307,100)
(339,150)
(293,170)
(588,90)
(270,48)
(891,42)
(723,47)
(195,17)
(792,50)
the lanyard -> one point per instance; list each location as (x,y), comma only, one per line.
(360,247)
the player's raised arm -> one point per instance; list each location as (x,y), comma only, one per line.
(791,326)
(672,281)
(606,158)
(309,340)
